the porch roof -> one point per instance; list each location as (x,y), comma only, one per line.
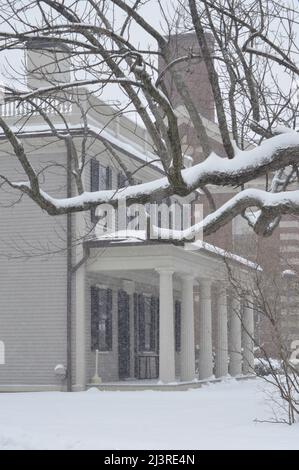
(132,250)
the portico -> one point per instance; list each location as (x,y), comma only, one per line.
(171,272)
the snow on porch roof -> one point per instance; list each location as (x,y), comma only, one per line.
(139,237)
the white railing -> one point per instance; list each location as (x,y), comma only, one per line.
(52,107)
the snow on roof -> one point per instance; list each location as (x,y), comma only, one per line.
(118,141)
(129,236)
(139,236)
(226,254)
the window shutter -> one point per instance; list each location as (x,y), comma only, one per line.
(108,177)
(94,175)
(141,322)
(109,320)
(153,324)
(121,180)
(177,313)
(94,302)
(158,323)
(94,184)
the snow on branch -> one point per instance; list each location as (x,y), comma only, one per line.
(272,154)
(277,204)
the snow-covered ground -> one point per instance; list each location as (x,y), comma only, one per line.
(219,416)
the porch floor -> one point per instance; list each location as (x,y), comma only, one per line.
(131,385)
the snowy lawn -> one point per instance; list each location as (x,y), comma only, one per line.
(219,416)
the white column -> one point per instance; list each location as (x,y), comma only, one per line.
(80,361)
(187,330)
(248,344)
(205,331)
(235,339)
(129,287)
(166,319)
(221,350)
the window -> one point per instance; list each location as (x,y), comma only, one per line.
(170,215)
(100,176)
(101,319)
(100,179)
(148,323)
(105,177)
(94,175)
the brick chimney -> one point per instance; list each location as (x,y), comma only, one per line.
(47,63)
(194,72)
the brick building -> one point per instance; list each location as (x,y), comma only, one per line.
(276,253)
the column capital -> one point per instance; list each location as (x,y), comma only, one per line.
(165,270)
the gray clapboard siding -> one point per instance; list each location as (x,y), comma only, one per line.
(33,290)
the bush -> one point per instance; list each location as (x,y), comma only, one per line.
(262,366)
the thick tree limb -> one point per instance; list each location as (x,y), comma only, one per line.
(271,205)
(272,154)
